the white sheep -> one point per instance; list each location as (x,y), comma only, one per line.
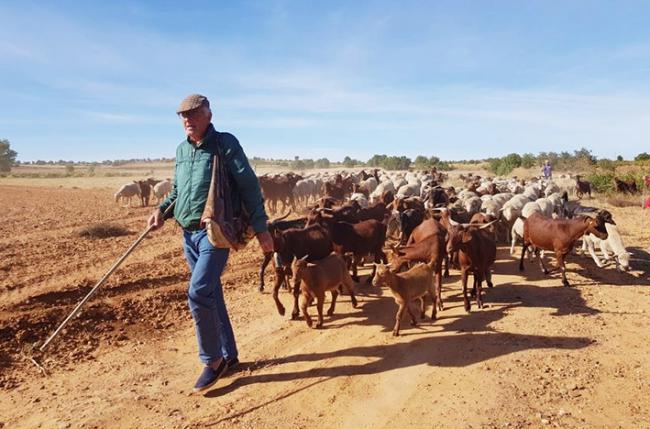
(127,192)
(610,248)
(162,189)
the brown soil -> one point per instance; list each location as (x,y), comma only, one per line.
(537,355)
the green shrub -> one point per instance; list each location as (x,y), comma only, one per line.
(602,182)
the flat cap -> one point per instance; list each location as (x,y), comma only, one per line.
(191,102)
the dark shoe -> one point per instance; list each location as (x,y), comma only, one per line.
(232,363)
(210,376)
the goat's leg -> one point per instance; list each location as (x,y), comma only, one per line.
(446,274)
(472,291)
(414,321)
(276,299)
(464,273)
(541,262)
(287,275)
(437,278)
(532,254)
(296,293)
(265,262)
(350,287)
(398,318)
(355,261)
(513,242)
(292,202)
(335,294)
(592,251)
(422,307)
(320,301)
(432,292)
(382,256)
(303,305)
(378,258)
(478,279)
(524,247)
(488,277)
(562,267)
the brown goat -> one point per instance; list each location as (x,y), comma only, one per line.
(312,242)
(314,279)
(406,287)
(558,235)
(429,246)
(476,254)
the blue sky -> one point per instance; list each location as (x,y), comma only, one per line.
(89,81)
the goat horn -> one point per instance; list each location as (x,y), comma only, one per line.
(486,225)
(281,218)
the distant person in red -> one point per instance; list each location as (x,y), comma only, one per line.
(646,204)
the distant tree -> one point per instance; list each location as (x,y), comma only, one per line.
(376,160)
(396,163)
(619,158)
(7,156)
(69,169)
(504,166)
(297,164)
(585,156)
(322,163)
(607,164)
(348,162)
(643,156)
(528,160)
(422,162)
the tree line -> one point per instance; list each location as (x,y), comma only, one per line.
(579,160)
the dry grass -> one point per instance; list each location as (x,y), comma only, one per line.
(102,230)
(624,201)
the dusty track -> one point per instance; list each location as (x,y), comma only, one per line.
(538,355)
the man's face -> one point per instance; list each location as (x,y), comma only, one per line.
(196,122)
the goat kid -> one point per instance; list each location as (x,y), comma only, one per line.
(314,279)
(406,287)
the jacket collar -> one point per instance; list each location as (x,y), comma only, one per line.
(210,135)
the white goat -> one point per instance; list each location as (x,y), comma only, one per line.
(610,248)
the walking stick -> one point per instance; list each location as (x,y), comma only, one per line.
(101,282)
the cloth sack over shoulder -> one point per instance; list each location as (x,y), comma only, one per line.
(223,228)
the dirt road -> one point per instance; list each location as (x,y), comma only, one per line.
(538,354)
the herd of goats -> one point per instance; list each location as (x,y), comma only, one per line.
(349,217)
(432,227)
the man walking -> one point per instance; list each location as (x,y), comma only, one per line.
(192,178)
(547,170)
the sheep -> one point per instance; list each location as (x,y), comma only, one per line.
(380,189)
(406,287)
(127,192)
(316,278)
(613,244)
(162,189)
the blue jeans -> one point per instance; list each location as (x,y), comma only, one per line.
(205,297)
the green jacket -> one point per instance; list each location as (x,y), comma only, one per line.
(192,176)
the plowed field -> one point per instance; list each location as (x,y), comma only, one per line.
(537,355)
